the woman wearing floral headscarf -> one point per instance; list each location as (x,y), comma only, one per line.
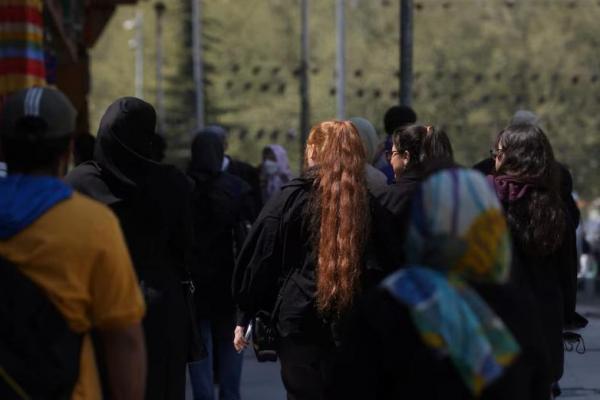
(444,326)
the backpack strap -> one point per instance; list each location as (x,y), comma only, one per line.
(39,353)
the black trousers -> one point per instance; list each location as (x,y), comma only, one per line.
(306,368)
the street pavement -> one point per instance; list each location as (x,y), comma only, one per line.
(260,381)
(581,379)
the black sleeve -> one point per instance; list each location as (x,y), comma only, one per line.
(258,264)
(536,353)
(387,236)
(182,239)
(568,273)
(249,209)
(566,189)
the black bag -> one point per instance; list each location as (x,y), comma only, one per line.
(39,353)
(196,350)
(264,337)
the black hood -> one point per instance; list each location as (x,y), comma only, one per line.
(124,142)
(207,155)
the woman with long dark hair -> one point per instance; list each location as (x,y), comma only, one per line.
(527,183)
(309,255)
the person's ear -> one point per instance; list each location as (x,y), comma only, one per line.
(406,156)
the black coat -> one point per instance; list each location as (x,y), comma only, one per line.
(158,231)
(383,356)
(562,266)
(222,208)
(279,257)
(549,278)
(250,175)
(153,204)
(396,197)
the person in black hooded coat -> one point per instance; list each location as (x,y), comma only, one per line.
(222,205)
(153,204)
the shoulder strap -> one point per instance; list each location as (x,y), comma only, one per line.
(39,353)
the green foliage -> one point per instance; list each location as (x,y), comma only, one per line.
(476,62)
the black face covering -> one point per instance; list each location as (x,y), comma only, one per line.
(207,156)
(124,142)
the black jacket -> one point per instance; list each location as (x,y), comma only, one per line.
(562,267)
(152,203)
(396,197)
(222,210)
(250,175)
(278,257)
(549,279)
(383,356)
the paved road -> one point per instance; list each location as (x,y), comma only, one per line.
(581,381)
(260,381)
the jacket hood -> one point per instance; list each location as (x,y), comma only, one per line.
(23,199)
(207,155)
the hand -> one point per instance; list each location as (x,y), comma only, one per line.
(239,342)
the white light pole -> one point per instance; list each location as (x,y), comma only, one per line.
(341,58)
(137,43)
(304,96)
(197,61)
(159,7)
(406,51)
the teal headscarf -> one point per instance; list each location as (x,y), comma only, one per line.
(457,233)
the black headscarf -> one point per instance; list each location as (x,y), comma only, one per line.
(124,143)
(207,156)
(122,164)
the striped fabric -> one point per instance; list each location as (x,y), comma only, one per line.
(21,45)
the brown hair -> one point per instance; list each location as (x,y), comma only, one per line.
(342,210)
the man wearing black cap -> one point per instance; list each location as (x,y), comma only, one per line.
(70,247)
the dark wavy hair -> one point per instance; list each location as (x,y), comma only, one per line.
(537,221)
(424,144)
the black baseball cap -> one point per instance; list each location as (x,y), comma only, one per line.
(50,107)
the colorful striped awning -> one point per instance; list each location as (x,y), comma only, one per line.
(21,45)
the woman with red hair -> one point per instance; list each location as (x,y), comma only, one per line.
(309,254)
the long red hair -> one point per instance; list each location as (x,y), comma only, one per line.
(341,201)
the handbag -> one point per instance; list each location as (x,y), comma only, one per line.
(264,337)
(196,350)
